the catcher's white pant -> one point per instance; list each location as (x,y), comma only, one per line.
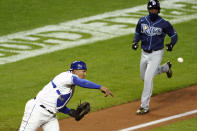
(36,116)
(149,67)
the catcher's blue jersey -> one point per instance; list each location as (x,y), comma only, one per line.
(152,34)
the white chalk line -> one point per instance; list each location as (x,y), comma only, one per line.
(69,34)
(159,121)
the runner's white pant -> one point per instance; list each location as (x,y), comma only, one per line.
(36,116)
(149,67)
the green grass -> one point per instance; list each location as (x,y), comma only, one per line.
(19,15)
(110,63)
(185,125)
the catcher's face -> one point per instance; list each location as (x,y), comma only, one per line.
(80,73)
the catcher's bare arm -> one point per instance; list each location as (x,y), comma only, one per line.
(106,91)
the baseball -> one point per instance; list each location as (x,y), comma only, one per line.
(180,59)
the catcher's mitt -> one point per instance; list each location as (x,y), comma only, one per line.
(81,110)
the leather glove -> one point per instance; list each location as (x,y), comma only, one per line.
(81,111)
(72,113)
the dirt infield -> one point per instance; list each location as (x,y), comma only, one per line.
(124,116)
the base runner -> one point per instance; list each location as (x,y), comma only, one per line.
(151,31)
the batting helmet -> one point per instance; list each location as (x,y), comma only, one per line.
(153,4)
(78,65)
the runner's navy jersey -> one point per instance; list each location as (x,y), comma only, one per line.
(152,34)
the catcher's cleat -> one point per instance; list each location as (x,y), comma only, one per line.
(169,73)
(142,111)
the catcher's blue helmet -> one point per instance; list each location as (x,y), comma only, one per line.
(78,65)
(153,4)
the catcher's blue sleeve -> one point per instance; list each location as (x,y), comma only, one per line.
(85,83)
(64,110)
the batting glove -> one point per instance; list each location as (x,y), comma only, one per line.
(169,47)
(134,45)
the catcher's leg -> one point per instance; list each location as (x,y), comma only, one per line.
(30,121)
(52,125)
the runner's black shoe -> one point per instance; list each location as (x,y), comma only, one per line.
(169,73)
(142,111)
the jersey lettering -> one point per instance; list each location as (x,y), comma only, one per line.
(150,30)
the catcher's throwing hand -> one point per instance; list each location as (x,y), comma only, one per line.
(106,91)
(81,111)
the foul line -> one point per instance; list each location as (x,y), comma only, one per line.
(159,121)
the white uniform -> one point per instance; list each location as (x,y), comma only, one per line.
(40,112)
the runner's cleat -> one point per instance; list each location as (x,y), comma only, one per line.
(142,111)
(169,73)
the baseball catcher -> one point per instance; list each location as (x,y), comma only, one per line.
(53,98)
(81,111)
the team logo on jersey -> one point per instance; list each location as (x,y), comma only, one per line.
(150,30)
